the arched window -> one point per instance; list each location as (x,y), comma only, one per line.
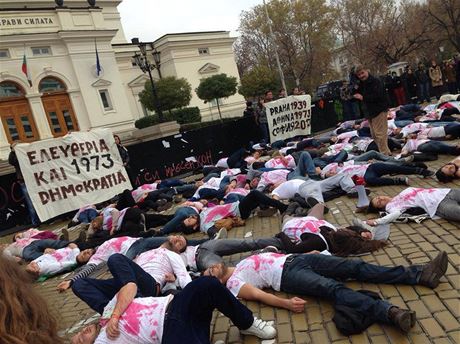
(15,114)
(9,89)
(51,85)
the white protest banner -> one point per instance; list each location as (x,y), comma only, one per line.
(66,173)
(289,117)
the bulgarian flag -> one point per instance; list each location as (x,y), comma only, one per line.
(25,69)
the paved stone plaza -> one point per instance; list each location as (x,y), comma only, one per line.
(437,310)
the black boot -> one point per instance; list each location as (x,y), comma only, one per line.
(433,271)
(402,318)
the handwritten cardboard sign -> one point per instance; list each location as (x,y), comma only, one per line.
(65,173)
(289,117)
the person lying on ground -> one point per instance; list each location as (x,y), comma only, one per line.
(127,246)
(185,219)
(63,259)
(450,171)
(429,146)
(373,173)
(313,233)
(182,318)
(444,203)
(153,268)
(447,132)
(318,275)
(31,248)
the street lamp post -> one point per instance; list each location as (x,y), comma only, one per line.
(143,63)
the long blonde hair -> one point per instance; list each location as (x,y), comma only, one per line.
(24,314)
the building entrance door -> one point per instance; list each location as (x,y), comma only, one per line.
(60,114)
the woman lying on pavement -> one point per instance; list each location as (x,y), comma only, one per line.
(317,275)
(126,246)
(60,260)
(444,203)
(313,233)
(429,146)
(182,318)
(450,171)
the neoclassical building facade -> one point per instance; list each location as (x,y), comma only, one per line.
(66,92)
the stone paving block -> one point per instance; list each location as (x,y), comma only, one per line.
(284,333)
(454,307)
(420,308)
(407,292)
(388,290)
(282,316)
(302,337)
(432,327)
(455,336)
(395,335)
(299,322)
(334,334)
(433,303)
(379,340)
(375,329)
(360,339)
(419,338)
(319,336)
(445,341)
(314,315)
(447,321)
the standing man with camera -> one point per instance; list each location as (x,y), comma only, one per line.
(375,106)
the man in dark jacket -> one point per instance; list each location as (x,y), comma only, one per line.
(372,94)
(13,160)
(423,81)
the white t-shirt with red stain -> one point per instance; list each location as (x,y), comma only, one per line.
(355,170)
(107,218)
(116,245)
(238,191)
(432,133)
(288,189)
(346,136)
(412,128)
(160,261)
(260,270)
(60,260)
(142,191)
(297,226)
(272,177)
(30,233)
(286,162)
(189,256)
(141,323)
(412,145)
(428,199)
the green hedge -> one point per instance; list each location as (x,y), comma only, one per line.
(192,126)
(182,116)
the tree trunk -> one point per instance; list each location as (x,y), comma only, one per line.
(218,109)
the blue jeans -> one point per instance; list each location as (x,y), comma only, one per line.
(374,173)
(30,207)
(98,293)
(424,91)
(179,216)
(402,123)
(305,166)
(36,248)
(323,162)
(232,198)
(373,155)
(190,312)
(169,183)
(438,147)
(88,215)
(317,275)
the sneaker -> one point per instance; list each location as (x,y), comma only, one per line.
(433,271)
(268,249)
(354,194)
(177,198)
(221,234)
(291,208)
(64,235)
(267,212)
(301,212)
(402,181)
(260,329)
(164,207)
(402,318)
(82,236)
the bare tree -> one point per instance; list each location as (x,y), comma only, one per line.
(445,15)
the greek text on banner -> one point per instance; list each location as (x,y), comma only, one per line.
(66,173)
(289,117)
